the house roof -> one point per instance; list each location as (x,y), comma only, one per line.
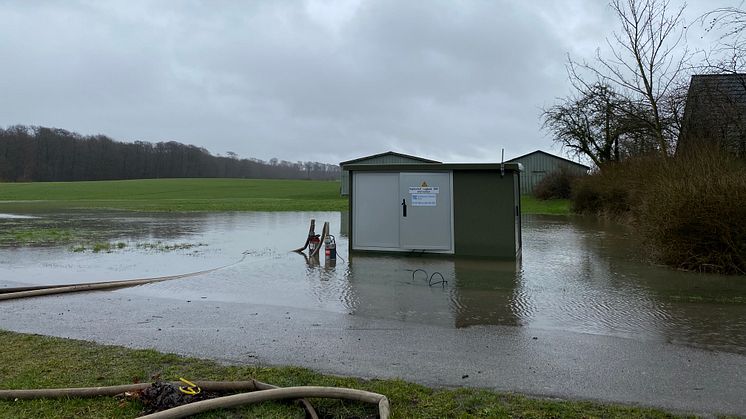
(715,110)
(515,159)
(388,153)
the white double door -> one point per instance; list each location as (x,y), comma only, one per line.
(402,211)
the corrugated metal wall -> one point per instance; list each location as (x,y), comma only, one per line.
(538,165)
(385,159)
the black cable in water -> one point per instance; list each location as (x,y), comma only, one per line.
(442,280)
(429,280)
(418,270)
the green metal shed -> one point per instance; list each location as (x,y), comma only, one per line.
(389,157)
(538,164)
(456,209)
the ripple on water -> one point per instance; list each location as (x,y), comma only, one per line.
(576,275)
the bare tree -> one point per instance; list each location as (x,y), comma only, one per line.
(728,54)
(589,123)
(646,64)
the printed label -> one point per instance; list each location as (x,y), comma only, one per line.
(424,200)
(424,189)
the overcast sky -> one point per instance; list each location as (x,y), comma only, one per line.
(300,80)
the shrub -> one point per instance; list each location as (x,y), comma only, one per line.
(690,210)
(598,196)
(555,185)
(693,213)
(613,190)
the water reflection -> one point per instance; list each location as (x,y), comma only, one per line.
(584,274)
(577,274)
(488,292)
(385,287)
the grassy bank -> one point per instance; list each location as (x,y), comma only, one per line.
(30,361)
(532,205)
(176,195)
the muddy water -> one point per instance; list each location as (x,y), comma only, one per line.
(576,274)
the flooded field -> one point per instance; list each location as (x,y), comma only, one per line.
(576,274)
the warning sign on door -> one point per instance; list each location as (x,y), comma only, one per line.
(424,200)
(424,189)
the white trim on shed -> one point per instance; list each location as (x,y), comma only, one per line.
(389,157)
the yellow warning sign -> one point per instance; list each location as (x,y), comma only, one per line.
(424,184)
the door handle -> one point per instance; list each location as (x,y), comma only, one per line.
(404,207)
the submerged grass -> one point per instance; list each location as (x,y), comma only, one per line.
(99,247)
(32,361)
(29,236)
(160,246)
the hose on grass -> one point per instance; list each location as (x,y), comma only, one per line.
(51,393)
(54,393)
(37,291)
(214,386)
(276,394)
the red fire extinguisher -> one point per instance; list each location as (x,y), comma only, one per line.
(330,247)
(313,243)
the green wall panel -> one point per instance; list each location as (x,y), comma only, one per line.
(484,214)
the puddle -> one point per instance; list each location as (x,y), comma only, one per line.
(16,216)
(576,274)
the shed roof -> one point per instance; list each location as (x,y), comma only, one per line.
(715,111)
(550,155)
(425,167)
(388,153)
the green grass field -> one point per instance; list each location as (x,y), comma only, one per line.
(177,195)
(72,363)
(200,195)
(531,205)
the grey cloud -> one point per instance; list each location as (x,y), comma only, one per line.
(296,80)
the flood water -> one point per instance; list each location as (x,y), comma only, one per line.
(576,274)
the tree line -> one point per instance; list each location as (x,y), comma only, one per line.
(42,154)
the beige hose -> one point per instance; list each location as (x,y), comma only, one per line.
(311,233)
(25,292)
(215,386)
(276,394)
(46,393)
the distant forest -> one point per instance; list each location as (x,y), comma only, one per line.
(31,153)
